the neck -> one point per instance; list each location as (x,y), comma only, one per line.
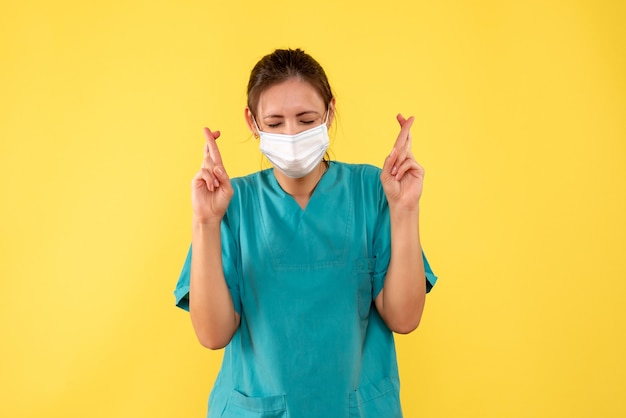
(301,189)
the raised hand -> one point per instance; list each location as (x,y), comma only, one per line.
(402,177)
(211,190)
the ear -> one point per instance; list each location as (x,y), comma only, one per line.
(249,120)
(331,112)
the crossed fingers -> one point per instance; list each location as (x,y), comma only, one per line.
(212,159)
(401,157)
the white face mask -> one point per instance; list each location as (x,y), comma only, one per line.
(295,155)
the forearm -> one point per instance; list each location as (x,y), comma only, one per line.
(210,304)
(404,293)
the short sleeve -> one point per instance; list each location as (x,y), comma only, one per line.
(181,293)
(431,279)
(230,262)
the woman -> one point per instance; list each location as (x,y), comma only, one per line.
(304,271)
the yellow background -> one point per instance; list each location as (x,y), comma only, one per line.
(521,126)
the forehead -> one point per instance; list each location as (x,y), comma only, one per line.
(292,96)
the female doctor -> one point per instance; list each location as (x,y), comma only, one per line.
(304,270)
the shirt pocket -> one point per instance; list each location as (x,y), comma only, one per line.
(380,399)
(242,406)
(364,270)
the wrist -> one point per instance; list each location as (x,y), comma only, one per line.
(404,212)
(205,223)
(404,218)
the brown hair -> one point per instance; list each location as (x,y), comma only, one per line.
(281,65)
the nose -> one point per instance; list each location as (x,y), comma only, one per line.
(292,127)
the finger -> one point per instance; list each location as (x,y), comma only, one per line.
(204,178)
(390,163)
(211,181)
(403,151)
(207,162)
(212,149)
(207,132)
(403,155)
(223,179)
(402,120)
(405,131)
(409,166)
(402,143)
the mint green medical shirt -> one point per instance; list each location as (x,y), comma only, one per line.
(311,343)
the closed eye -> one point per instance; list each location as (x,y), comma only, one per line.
(277,124)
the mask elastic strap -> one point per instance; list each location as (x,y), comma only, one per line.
(256,126)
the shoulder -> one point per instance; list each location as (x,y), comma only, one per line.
(246,193)
(362,178)
(361,185)
(361,172)
(251,182)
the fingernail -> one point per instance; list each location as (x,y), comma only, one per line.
(216,183)
(219,171)
(393,152)
(394,170)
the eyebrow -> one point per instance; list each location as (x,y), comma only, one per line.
(298,115)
